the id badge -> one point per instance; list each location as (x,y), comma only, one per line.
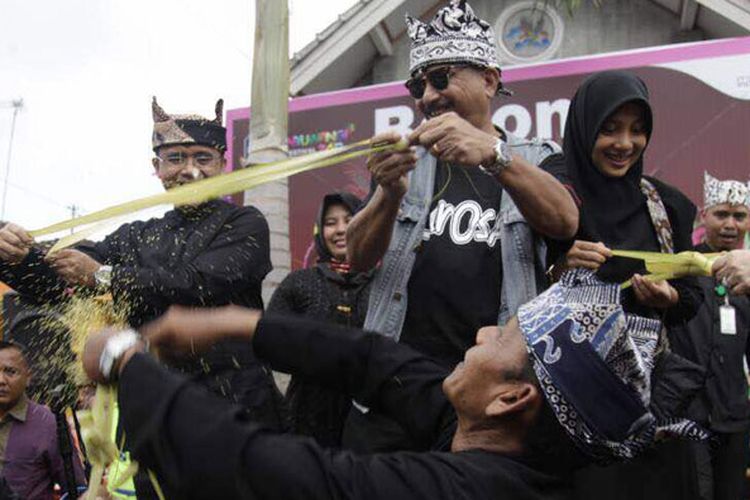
(728,320)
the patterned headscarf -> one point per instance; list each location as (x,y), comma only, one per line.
(594,363)
(716,192)
(455,35)
(172,130)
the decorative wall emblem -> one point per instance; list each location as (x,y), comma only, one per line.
(529,31)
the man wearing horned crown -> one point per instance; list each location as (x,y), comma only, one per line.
(203,255)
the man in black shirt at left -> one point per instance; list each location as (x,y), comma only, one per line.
(571,367)
(210,254)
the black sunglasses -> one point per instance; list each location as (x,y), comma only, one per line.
(439,78)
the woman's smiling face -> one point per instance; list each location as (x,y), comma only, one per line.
(335,222)
(621,140)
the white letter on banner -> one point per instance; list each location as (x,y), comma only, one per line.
(520,116)
(398,118)
(545,113)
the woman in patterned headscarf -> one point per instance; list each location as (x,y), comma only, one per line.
(608,129)
(330,292)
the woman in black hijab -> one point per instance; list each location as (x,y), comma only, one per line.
(608,129)
(330,292)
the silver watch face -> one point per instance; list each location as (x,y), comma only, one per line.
(114,348)
(103,276)
(502,153)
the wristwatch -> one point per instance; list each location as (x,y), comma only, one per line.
(103,277)
(503,159)
(114,349)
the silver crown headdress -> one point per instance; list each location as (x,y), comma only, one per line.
(716,192)
(455,35)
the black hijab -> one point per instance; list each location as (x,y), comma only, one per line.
(348,200)
(613,210)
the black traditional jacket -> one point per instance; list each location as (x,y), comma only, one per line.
(202,448)
(213,255)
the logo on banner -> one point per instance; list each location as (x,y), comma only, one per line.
(309,142)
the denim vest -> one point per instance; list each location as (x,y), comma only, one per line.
(522,252)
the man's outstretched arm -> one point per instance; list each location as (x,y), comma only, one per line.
(375,371)
(202,447)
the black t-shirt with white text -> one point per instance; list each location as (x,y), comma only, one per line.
(454,288)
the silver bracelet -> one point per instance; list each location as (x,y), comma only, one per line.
(113,350)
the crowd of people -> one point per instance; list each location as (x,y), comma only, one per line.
(463,335)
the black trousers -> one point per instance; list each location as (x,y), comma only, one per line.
(721,465)
(252,388)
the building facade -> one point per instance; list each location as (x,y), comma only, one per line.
(368,45)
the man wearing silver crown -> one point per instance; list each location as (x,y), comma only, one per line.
(717,339)
(455,219)
(733,269)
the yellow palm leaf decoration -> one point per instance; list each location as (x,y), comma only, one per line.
(667,266)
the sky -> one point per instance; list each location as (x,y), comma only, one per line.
(86,71)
